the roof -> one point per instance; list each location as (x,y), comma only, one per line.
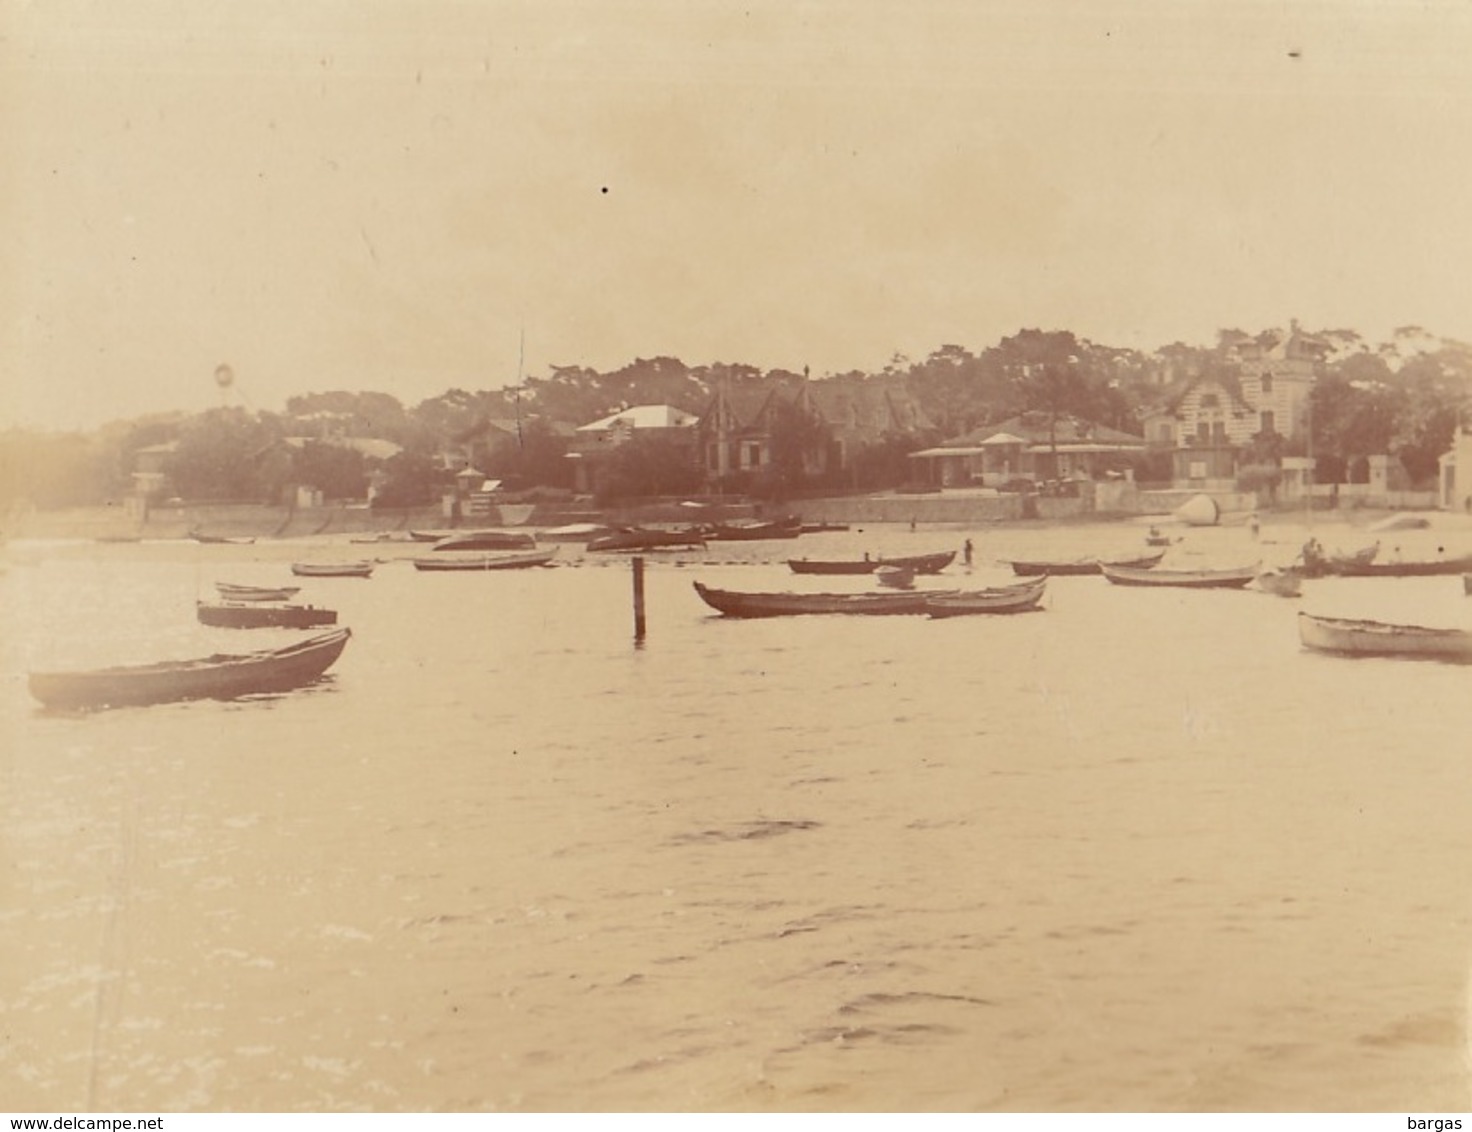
(1038,429)
(643,416)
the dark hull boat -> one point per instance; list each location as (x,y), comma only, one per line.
(645,538)
(919,563)
(736,604)
(218,677)
(750,532)
(1038,569)
(247,616)
(1420,569)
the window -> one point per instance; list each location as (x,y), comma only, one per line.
(1203,432)
(1208,401)
(1267,422)
(1219,432)
(1267,383)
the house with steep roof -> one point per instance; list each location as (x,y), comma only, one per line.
(1263,390)
(839,417)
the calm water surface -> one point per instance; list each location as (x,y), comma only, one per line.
(1136,852)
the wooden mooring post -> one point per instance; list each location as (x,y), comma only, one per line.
(638,597)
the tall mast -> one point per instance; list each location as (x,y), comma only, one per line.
(520,363)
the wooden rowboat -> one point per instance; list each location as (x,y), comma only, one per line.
(1234,578)
(895,577)
(256,615)
(232,592)
(219,677)
(646,538)
(738,604)
(1347,637)
(919,563)
(487,561)
(1021,598)
(223,540)
(1390,568)
(748,532)
(486,540)
(359,569)
(1037,569)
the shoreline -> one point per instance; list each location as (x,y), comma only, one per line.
(954,512)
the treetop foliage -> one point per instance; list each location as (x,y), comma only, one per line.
(1405,396)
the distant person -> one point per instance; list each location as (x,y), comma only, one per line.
(966,552)
(912,524)
(1253,526)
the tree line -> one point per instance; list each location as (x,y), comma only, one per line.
(1369,399)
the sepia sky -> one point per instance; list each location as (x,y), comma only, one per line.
(382,194)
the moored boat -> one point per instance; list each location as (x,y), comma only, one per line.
(1021,598)
(1282,583)
(510,561)
(221,677)
(1350,637)
(895,577)
(359,569)
(200,536)
(1232,578)
(646,538)
(745,604)
(1413,568)
(776,528)
(919,563)
(1063,567)
(486,540)
(1318,563)
(230,591)
(254,615)
(573,532)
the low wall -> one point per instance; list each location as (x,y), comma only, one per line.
(937,508)
(960,507)
(1164,501)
